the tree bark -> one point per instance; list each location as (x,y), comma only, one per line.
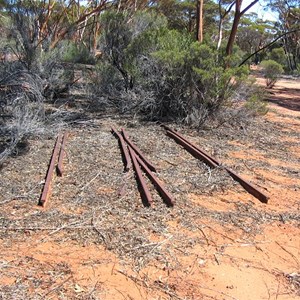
(200,21)
(237,16)
(235,24)
(221,22)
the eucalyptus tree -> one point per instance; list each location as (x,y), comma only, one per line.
(238,13)
(39,25)
(288,12)
(225,7)
(254,33)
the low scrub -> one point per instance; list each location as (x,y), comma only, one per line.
(22,110)
(271,71)
(163,74)
(76,53)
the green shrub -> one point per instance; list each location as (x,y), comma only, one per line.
(125,38)
(192,84)
(255,103)
(77,53)
(271,71)
(278,55)
(166,74)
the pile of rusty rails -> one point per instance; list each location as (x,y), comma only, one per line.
(134,158)
(58,151)
(213,163)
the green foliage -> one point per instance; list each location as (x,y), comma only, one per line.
(181,15)
(77,53)
(271,71)
(173,47)
(278,55)
(190,83)
(164,71)
(124,38)
(255,103)
(233,59)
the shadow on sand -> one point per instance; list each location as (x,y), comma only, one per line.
(291,102)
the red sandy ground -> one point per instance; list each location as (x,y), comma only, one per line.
(223,268)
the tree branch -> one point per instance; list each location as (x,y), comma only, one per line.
(229,8)
(249,6)
(268,45)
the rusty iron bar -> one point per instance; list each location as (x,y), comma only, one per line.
(124,150)
(195,152)
(192,145)
(144,191)
(250,188)
(212,162)
(62,152)
(138,151)
(46,189)
(166,196)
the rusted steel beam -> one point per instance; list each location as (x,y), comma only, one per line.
(195,152)
(124,150)
(192,145)
(138,151)
(46,189)
(62,152)
(250,188)
(144,191)
(212,162)
(166,196)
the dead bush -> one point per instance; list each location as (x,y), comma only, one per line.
(22,110)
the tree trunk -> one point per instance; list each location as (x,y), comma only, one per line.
(200,21)
(237,16)
(222,16)
(286,50)
(236,20)
(220,34)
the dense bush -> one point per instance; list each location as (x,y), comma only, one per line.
(255,103)
(23,93)
(278,55)
(77,53)
(163,74)
(271,71)
(188,84)
(21,109)
(124,38)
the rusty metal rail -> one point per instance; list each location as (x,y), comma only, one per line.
(145,193)
(62,152)
(166,196)
(124,149)
(47,186)
(138,151)
(194,151)
(212,162)
(139,163)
